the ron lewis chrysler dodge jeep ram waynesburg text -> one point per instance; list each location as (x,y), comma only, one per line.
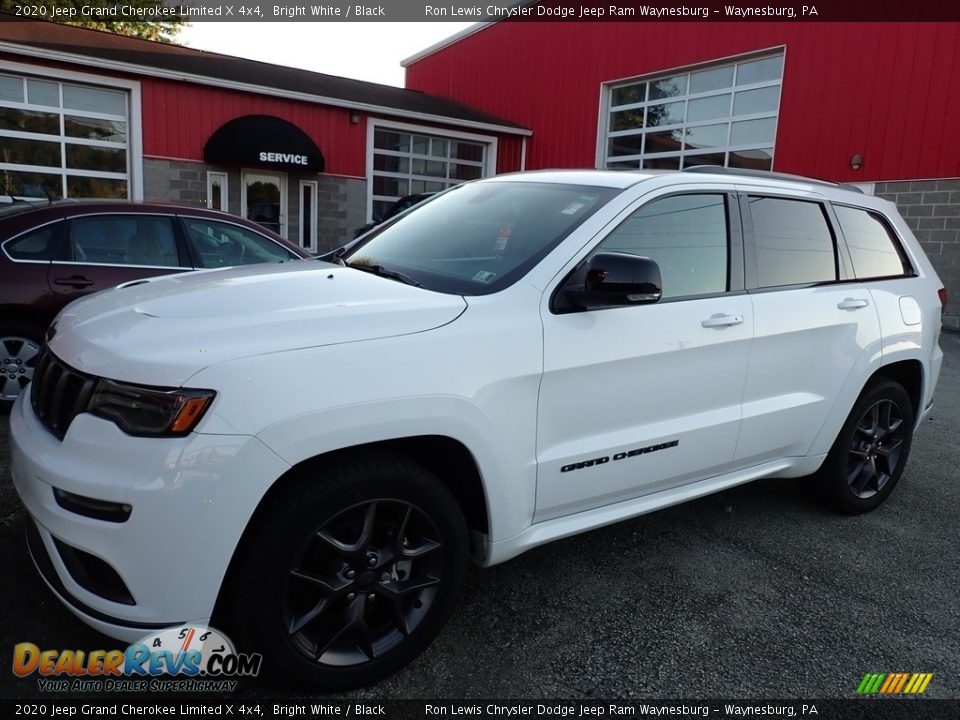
(308,454)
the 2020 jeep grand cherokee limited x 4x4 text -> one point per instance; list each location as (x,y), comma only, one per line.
(309,453)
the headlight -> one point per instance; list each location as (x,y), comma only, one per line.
(149,411)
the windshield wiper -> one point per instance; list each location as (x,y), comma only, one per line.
(384,272)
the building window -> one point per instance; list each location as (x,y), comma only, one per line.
(60,139)
(217,191)
(407,161)
(717,115)
(308,214)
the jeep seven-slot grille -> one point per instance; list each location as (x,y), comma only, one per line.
(58,393)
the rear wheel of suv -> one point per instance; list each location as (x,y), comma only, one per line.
(352,572)
(869,454)
(19,346)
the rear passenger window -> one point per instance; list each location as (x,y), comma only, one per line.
(687,237)
(122,240)
(873,249)
(35,245)
(794,242)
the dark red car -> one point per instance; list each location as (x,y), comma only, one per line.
(53,253)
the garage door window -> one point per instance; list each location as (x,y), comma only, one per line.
(409,163)
(62,139)
(721,115)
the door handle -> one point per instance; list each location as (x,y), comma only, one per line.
(77,281)
(722,321)
(852,304)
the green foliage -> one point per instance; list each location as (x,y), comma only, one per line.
(84,13)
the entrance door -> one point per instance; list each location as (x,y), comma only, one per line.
(265,200)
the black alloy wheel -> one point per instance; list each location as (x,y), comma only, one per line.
(363,582)
(875,448)
(348,571)
(871,450)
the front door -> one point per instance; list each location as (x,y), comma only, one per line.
(265,200)
(639,399)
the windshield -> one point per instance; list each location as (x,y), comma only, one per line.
(478,238)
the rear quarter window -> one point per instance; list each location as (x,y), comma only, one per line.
(37,245)
(874,249)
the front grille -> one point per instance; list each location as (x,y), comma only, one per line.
(58,393)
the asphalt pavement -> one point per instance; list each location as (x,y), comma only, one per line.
(752,593)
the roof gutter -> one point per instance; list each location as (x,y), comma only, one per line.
(455,38)
(88,61)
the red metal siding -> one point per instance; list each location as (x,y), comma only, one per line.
(889,91)
(179,117)
(508,154)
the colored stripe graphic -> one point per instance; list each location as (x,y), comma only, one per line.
(894,683)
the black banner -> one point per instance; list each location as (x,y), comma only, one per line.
(190,707)
(500,10)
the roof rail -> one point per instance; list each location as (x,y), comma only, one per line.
(768,175)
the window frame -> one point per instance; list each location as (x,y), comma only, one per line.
(64,238)
(735,252)
(487,167)
(193,253)
(607,89)
(224,179)
(133,146)
(841,260)
(57,235)
(892,233)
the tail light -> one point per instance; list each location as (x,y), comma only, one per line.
(943,299)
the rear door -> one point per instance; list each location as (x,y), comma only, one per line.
(103,250)
(814,329)
(642,398)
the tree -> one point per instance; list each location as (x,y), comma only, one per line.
(105,15)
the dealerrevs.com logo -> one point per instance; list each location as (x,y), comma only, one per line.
(191,658)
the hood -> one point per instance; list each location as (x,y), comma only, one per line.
(162,331)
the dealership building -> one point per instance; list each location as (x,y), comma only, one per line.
(314,156)
(87,114)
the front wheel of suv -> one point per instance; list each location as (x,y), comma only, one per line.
(868,456)
(351,573)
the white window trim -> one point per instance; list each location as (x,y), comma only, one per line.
(224,189)
(314,207)
(134,127)
(603,118)
(489,165)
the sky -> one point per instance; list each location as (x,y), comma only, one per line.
(361,50)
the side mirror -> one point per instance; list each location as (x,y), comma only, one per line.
(614,279)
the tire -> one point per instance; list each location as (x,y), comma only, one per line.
(868,456)
(350,573)
(19,345)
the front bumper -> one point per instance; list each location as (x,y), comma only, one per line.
(191,500)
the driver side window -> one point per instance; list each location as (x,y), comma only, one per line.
(686,235)
(219,244)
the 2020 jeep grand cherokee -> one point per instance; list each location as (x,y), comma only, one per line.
(309,453)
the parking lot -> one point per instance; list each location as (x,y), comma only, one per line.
(752,593)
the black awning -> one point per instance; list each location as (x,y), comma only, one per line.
(263,141)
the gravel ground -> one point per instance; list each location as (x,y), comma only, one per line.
(751,593)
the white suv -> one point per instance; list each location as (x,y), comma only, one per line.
(308,454)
